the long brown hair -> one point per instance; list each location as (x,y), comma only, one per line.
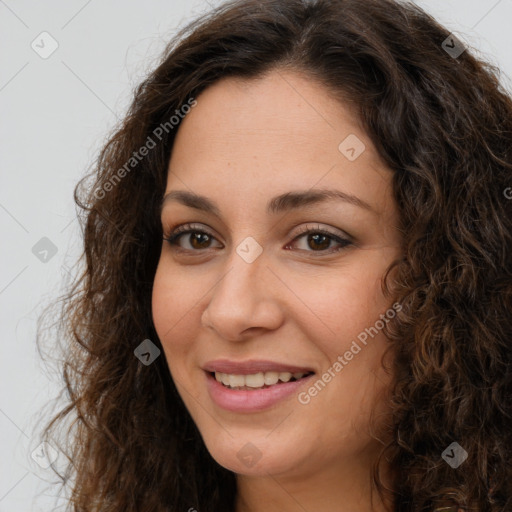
(443,124)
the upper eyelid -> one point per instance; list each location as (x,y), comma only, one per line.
(308,228)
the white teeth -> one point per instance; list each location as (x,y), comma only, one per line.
(236,380)
(255,380)
(271,378)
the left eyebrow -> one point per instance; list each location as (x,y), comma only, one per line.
(288,201)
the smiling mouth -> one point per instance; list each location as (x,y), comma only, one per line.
(260,380)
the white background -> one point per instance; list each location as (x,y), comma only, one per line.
(55,114)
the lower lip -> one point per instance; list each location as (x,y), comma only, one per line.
(251,401)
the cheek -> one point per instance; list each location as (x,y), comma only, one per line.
(163,306)
(173,318)
(177,305)
(347,322)
(343,303)
(172,304)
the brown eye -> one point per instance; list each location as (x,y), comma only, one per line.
(320,241)
(187,238)
(199,240)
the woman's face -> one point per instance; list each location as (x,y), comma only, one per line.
(255,292)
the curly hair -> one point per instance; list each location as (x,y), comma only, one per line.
(444,127)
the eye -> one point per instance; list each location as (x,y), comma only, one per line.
(316,239)
(197,239)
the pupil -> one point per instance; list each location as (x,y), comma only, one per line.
(316,238)
(196,240)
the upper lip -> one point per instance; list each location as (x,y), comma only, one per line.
(251,366)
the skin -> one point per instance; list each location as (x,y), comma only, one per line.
(299,302)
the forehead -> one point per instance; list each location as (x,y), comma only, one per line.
(252,139)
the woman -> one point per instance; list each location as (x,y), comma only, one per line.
(297,284)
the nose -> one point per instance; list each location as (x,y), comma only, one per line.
(245,301)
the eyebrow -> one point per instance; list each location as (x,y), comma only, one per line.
(289,201)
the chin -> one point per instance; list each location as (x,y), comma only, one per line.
(254,455)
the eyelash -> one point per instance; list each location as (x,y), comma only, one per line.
(185,229)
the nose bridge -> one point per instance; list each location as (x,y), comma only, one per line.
(246,267)
(241,299)
(239,289)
